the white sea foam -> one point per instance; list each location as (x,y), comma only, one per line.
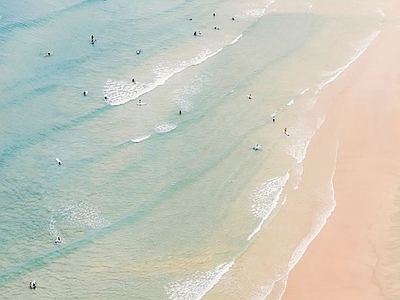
(269,3)
(194,287)
(265,199)
(166,127)
(54,233)
(328,195)
(263,293)
(301,134)
(290,103)
(380,12)
(140,139)
(304,91)
(256,13)
(118,92)
(318,224)
(236,39)
(359,48)
(182,95)
(300,139)
(82,214)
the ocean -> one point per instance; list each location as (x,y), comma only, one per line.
(160,194)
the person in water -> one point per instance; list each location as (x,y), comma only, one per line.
(85,93)
(32,285)
(133,80)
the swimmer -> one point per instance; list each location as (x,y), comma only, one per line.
(273,119)
(138,51)
(92,39)
(249,96)
(133,80)
(105,98)
(180,112)
(195,33)
(32,285)
(213,14)
(58,240)
(48,54)
(257,147)
(85,93)
(233,19)
(216,28)
(190,19)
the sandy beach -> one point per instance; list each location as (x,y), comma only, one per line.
(353,257)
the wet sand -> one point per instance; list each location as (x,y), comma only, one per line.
(354,256)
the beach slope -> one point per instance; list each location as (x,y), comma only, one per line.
(353,257)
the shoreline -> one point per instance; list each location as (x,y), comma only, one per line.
(349,258)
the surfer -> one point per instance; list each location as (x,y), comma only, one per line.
(32,285)
(58,240)
(250,96)
(286,131)
(273,119)
(85,93)
(92,39)
(138,51)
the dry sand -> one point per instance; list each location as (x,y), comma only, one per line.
(353,256)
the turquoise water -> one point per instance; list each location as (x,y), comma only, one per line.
(150,203)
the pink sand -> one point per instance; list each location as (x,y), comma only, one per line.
(352,257)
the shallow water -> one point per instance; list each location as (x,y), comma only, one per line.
(149,202)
